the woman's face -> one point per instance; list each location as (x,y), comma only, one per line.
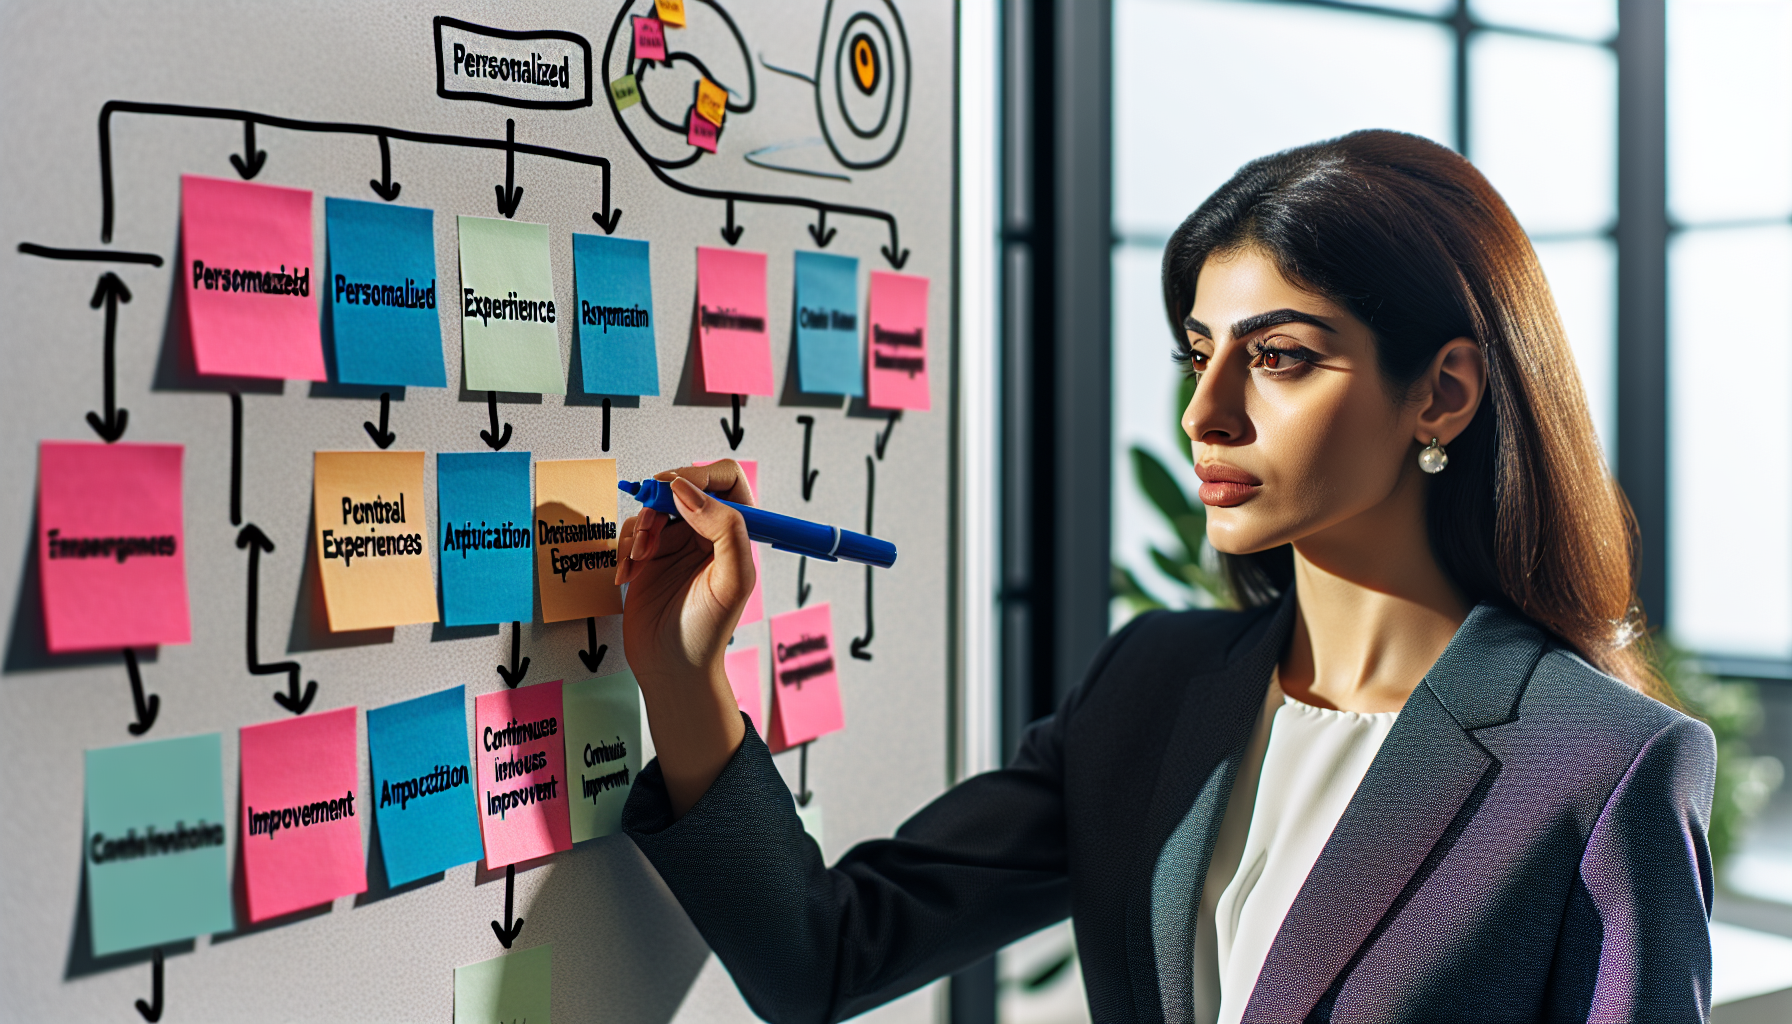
(1294,431)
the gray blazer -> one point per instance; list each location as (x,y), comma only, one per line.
(1528,844)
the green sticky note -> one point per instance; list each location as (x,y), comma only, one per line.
(603,750)
(625,92)
(509,324)
(511,989)
(157,870)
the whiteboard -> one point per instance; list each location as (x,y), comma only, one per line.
(347,100)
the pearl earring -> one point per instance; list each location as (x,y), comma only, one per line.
(1433,458)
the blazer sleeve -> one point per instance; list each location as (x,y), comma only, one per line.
(1646,880)
(979,867)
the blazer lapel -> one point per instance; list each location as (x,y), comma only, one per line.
(1213,724)
(1427,770)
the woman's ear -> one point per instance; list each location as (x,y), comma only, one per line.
(1456,379)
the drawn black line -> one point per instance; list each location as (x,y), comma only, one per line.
(493,438)
(152,1010)
(513,676)
(147,707)
(109,292)
(860,644)
(512,927)
(293,700)
(93,255)
(736,432)
(236,458)
(381,436)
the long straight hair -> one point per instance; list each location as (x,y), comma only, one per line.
(1411,238)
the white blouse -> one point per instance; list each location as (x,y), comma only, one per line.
(1299,773)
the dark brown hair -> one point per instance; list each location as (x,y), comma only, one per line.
(1410,238)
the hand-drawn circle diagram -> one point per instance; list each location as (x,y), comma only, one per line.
(862,82)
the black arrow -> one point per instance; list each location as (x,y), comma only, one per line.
(385,187)
(381,436)
(802,589)
(590,659)
(146,706)
(803,796)
(292,700)
(152,1010)
(809,475)
(236,458)
(515,673)
(492,437)
(731,234)
(820,230)
(894,252)
(508,196)
(509,930)
(110,291)
(736,432)
(860,643)
(608,218)
(883,437)
(249,164)
(606,438)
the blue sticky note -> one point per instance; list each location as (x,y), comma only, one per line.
(382,294)
(157,867)
(487,514)
(615,316)
(827,324)
(423,792)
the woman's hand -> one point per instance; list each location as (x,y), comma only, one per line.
(688,581)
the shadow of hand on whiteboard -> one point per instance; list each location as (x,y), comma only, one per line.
(311,618)
(623,947)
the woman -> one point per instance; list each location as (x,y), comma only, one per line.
(1423,775)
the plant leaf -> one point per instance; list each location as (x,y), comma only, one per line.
(1159,486)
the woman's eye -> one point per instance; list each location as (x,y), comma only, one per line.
(1277,359)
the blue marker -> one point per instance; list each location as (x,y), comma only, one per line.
(797,536)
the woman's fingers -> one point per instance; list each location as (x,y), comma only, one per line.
(726,532)
(724,479)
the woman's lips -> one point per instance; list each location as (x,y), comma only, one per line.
(1223,486)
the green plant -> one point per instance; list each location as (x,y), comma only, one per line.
(1732,708)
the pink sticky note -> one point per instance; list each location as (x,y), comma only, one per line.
(743,678)
(301,827)
(246,270)
(521,753)
(805,690)
(650,38)
(898,349)
(701,133)
(756,601)
(111,546)
(731,322)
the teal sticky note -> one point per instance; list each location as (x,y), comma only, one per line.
(487,559)
(157,870)
(423,788)
(382,294)
(615,316)
(827,324)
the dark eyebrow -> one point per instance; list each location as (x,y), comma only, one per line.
(1275,318)
(1189,323)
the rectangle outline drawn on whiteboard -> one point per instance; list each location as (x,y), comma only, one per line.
(446,93)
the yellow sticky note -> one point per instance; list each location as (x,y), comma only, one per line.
(373,539)
(670,11)
(575,539)
(712,101)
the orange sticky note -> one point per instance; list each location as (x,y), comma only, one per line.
(712,101)
(111,546)
(755,609)
(575,539)
(670,11)
(736,347)
(247,274)
(373,539)
(805,688)
(898,374)
(520,748)
(301,827)
(743,678)
(701,133)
